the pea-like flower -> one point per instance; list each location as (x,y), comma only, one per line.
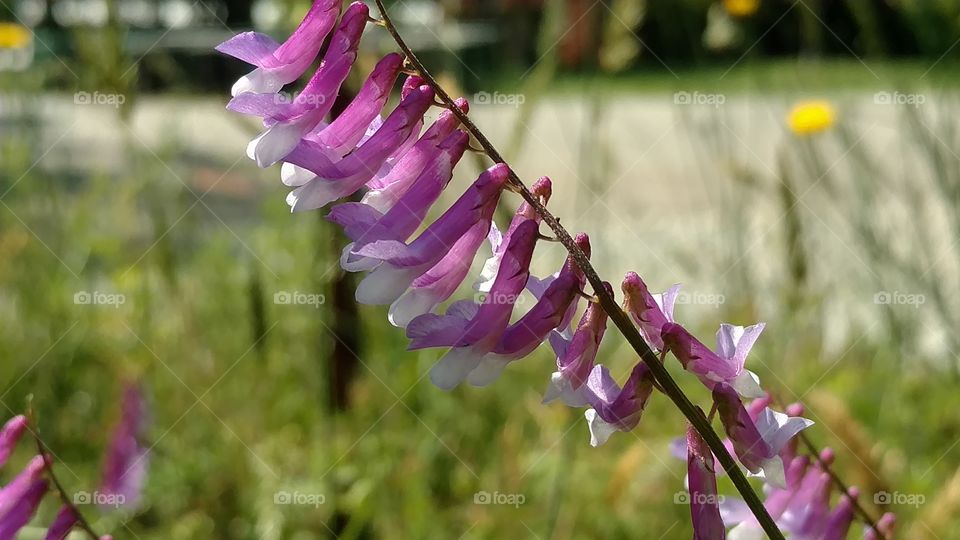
(615,409)
(724,366)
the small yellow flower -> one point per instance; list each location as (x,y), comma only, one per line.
(13,36)
(741,8)
(809,117)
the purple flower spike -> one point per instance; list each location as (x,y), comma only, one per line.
(402,263)
(21,511)
(334,180)
(364,225)
(472,330)
(648,311)
(9,436)
(702,482)
(277,65)
(757,443)
(615,409)
(724,366)
(125,467)
(576,356)
(62,524)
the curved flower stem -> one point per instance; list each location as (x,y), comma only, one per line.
(65,498)
(694,415)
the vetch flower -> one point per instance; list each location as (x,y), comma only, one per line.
(576,356)
(649,311)
(472,330)
(810,117)
(525,335)
(364,224)
(287,122)
(841,518)
(401,263)
(702,482)
(22,509)
(616,409)
(336,179)
(9,436)
(62,524)
(757,444)
(276,64)
(885,524)
(724,366)
(125,466)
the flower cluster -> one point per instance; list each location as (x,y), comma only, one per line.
(124,471)
(401,173)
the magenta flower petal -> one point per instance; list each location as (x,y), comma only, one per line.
(402,263)
(19,513)
(702,479)
(724,366)
(9,436)
(649,311)
(840,520)
(752,450)
(62,524)
(342,178)
(125,466)
(479,334)
(17,488)
(616,409)
(277,65)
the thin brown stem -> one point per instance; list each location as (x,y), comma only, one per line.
(606,300)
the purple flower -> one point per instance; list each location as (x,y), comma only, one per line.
(18,514)
(62,524)
(336,179)
(757,443)
(472,330)
(277,65)
(364,224)
(125,466)
(401,263)
(615,409)
(649,311)
(576,356)
(702,483)
(288,120)
(9,436)
(18,488)
(724,366)
(841,518)
(886,524)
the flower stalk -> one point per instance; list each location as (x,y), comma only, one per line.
(665,382)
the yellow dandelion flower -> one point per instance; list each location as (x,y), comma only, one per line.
(13,36)
(809,117)
(741,8)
